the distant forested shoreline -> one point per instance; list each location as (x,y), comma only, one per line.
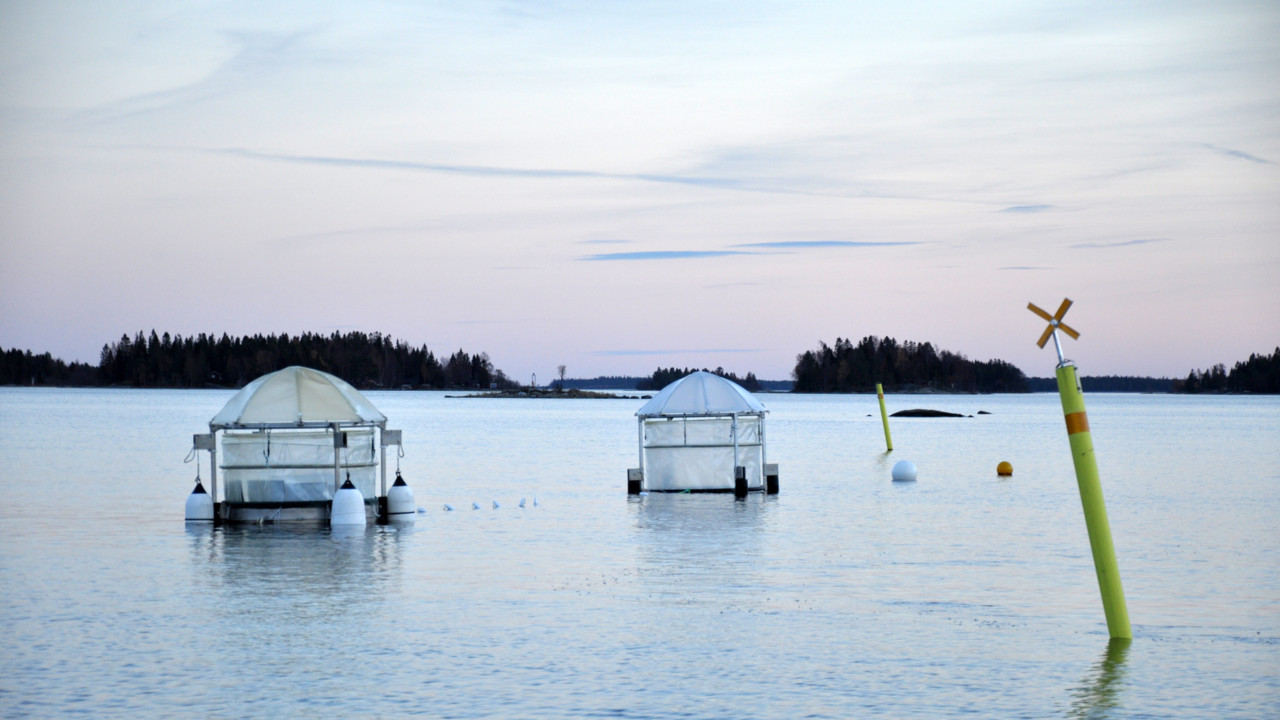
(651,382)
(1108,383)
(367,361)
(899,367)
(1260,374)
(377,361)
(663,377)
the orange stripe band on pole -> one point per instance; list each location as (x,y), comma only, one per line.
(1077,422)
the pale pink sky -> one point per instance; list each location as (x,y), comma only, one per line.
(616,187)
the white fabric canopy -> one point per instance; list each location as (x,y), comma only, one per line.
(701,393)
(297,396)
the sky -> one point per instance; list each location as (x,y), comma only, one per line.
(620,186)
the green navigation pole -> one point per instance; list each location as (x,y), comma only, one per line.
(884,416)
(1086,464)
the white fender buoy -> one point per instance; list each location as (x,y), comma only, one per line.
(199,505)
(904,471)
(348,507)
(400,504)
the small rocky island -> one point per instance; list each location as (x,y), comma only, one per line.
(549,393)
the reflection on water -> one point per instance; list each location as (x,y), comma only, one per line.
(700,519)
(322,569)
(706,546)
(1101,691)
(847,595)
(882,460)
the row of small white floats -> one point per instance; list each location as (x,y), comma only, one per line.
(300,445)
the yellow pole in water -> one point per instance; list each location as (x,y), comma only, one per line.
(1095,510)
(884,416)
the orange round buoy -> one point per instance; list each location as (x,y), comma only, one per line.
(1004,468)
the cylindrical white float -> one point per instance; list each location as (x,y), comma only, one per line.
(348,506)
(199,505)
(400,504)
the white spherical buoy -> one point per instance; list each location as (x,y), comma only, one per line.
(199,505)
(400,504)
(348,507)
(904,471)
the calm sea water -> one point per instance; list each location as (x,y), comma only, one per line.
(847,595)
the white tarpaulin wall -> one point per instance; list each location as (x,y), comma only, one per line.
(697,453)
(284,466)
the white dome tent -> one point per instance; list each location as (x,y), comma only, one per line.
(702,433)
(290,440)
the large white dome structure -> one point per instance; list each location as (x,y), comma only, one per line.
(289,442)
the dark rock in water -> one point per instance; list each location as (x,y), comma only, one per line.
(983,412)
(925,413)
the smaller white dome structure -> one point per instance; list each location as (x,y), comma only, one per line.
(702,433)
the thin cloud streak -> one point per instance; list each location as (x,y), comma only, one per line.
(1123,243)
(1242,155)
(662,255)
(1027,209)
(258,54)
(717,183)
(712,182)
(822,243)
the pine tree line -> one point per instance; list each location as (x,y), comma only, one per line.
(22,367)
(663,377)
(1107,383)
(378,361)
(1259,374)
(362,359)
(846,367)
